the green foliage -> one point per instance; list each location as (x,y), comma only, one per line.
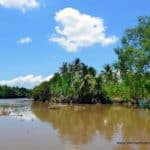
(118,92)
(75,83)
(134,58)
(14,92)
(41,92)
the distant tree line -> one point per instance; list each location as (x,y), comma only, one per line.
(14,92)
(126,79)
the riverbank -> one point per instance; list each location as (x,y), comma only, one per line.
(145,104)
(141,103)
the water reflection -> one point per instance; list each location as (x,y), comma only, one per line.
(80,124)
(17,108)
(78,127)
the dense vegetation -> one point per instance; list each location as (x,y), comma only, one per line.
(76,82)
(132,66)
(14,92)
(127,79)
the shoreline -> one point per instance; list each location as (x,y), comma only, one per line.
(132,103)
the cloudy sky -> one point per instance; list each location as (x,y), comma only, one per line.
(36,36)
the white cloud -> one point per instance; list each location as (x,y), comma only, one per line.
(25,40)
(76,30)
(28,81)
(23,5)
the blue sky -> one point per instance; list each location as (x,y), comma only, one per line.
(27,32)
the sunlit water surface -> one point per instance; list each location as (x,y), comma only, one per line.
(27,125)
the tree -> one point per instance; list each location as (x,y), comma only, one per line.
(109,74)
(42,92)
(134,57)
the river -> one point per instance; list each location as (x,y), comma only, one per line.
(27,125)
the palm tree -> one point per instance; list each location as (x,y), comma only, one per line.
(64,69)
(107,73)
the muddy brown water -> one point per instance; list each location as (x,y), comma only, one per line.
(27,125)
